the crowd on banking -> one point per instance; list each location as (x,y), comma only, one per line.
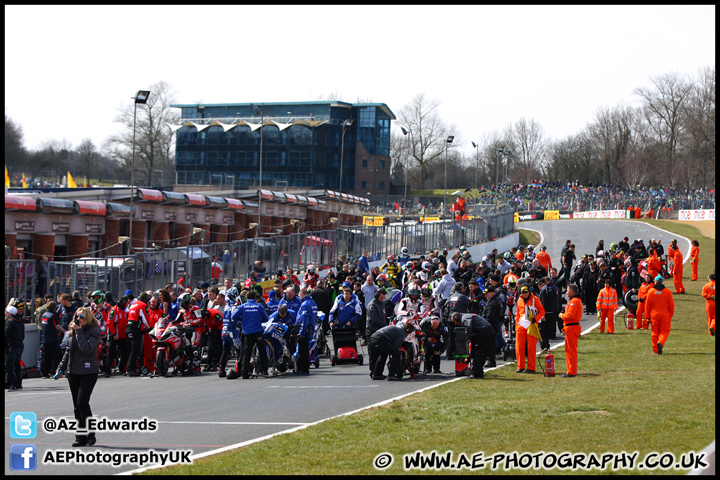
(408,309)
(545,195)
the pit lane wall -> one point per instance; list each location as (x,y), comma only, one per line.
(604,214)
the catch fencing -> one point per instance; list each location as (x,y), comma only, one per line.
(153,269)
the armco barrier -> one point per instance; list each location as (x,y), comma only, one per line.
(600,214)
(529,216)
(543,215)
(696,215)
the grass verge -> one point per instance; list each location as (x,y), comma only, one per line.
(528,237)
(625,398)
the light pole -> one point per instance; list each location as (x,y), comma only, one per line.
(141,97)
(405,132)
(262,121)
(449,140)
(497,163)
(345,125)
(477,164)
(505,177)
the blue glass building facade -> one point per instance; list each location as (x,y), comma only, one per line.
(301,144)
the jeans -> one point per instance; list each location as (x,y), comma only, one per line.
(50,358)
(12,366)
(81,388)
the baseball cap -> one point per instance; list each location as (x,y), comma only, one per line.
(524,289)
(128,292)
(11,310)
(204,285)
(658,279)
(346,285)
(489,289)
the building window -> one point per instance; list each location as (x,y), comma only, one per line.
(381,186)
(364,163)
(382,163)
(363,184)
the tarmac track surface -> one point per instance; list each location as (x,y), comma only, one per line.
(206,413)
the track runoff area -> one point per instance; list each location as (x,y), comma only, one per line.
(151,422)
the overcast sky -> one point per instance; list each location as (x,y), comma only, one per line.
(69,68)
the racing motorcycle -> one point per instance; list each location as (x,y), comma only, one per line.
(275,348)
(171,343)
(411,350)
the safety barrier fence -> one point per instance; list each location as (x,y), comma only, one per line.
(153,269)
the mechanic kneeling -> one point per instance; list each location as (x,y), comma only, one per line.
(435,340)
(384,342)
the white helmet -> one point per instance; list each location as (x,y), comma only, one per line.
(404,250)
(422,276)
(531,246)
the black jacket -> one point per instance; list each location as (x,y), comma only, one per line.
(632,278)
(376,318)
(441,333)
(392,334)
(463,275)
(477,326)
(494,312)
(14,332)
(550,298)
(590,278)
(458,302)
(81,353)
(323,298)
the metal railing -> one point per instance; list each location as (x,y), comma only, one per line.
(153,269)
(20,281)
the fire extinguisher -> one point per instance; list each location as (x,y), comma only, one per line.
(630,320)
(549,365)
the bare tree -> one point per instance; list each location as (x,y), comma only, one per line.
(154,141)
(530,149)
(613,135)
(574,158)
(330,97)
(59,156)
(699,128)
(15,154)
(86,157)
(663,107)
(428,139)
